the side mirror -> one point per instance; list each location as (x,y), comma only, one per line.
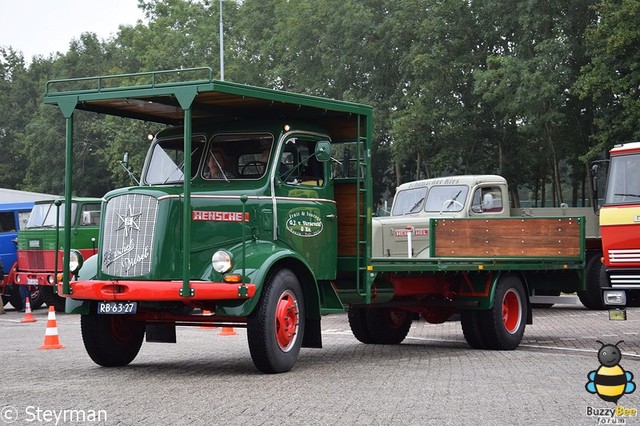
(323,151)
(125,160)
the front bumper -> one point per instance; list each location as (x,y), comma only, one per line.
(35,278)
(121,290)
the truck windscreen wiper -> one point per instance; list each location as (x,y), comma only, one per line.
(417,204)
(453,200)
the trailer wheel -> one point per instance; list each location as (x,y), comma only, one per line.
(591,297)
(471,322)
(111,340)
(505,322)
(358,323)
(52,299)
(275,328)
(388,326)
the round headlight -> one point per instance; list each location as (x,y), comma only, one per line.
(75,261)
(221,261)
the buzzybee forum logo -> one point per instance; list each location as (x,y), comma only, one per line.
(610,381)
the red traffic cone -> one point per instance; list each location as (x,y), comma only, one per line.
(28,316)
(206,313)
(227,331)
(51,340)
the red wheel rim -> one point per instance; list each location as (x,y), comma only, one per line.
(511,311)
(120,329)
(287,321)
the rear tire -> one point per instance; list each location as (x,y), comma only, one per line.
(505,322)
(471,322)
(358,323)
(275,328)
(388,326)
(111,340)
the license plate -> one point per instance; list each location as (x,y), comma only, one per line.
(117,308)
(617,314)
(32,281)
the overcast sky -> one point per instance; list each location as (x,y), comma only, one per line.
(41,27)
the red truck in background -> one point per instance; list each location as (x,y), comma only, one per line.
(619,224)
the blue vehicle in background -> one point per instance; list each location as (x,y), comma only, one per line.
(13,217)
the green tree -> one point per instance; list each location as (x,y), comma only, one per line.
(612,78)
(18,101)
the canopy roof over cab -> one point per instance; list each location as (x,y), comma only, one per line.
(162,97)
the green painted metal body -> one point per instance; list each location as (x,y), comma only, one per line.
(286,223)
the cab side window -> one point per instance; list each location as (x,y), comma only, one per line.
(7,222)
(487,200)
(90,215)
(298,165)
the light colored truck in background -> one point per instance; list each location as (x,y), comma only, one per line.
(405,233)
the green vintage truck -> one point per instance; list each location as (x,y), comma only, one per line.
(254,209)
(39,257)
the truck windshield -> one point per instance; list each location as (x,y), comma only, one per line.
(237,156)
(409,201)
(166,162)
(450,198)
(44,216)
(623,184)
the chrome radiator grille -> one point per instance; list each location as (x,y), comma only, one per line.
(129,228)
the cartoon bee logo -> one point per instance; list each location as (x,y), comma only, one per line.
(610,381)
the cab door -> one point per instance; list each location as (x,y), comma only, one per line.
(306,208)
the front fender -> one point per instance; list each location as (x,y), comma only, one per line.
(260,258)
(89,271)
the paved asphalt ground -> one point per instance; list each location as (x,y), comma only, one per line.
(432,378)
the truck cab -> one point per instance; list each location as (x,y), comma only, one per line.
(619,221)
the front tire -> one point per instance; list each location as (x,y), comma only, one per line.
(111,340)
(275,328)
(15,299)
(36,297)
(591,297)
(505,322)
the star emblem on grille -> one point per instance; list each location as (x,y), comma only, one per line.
(128,222)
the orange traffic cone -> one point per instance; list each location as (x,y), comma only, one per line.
(28,316)
(227,331)
(206,313)
(51,336)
